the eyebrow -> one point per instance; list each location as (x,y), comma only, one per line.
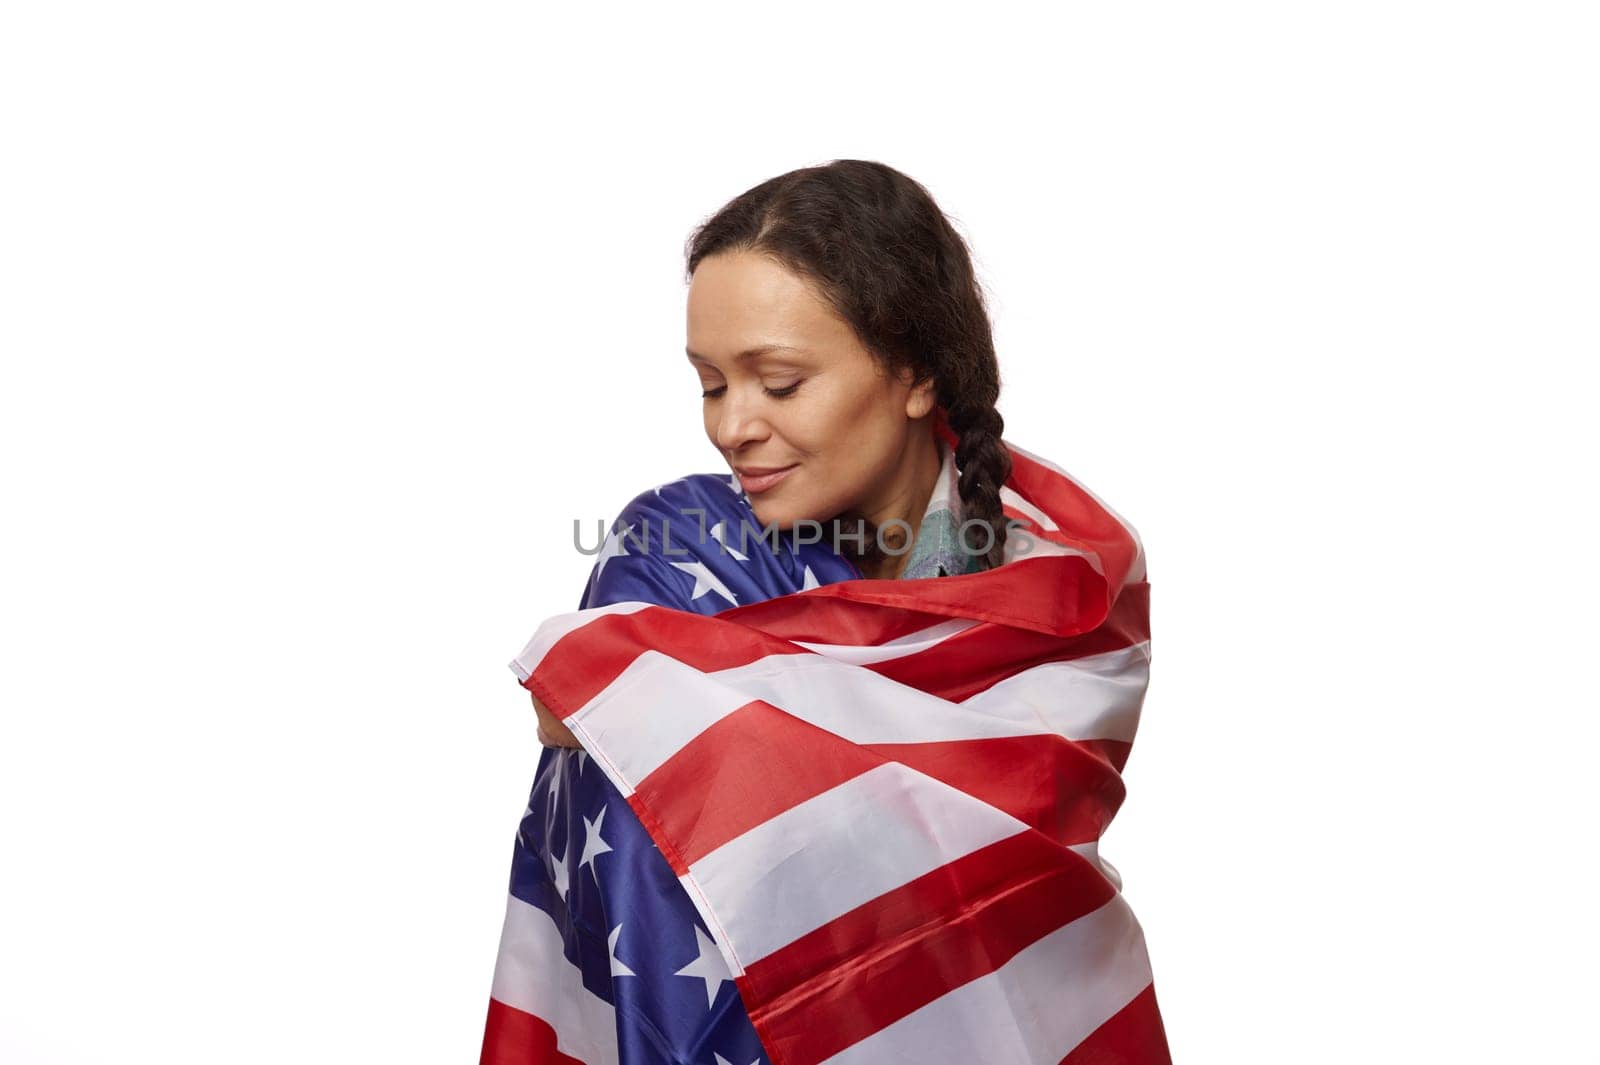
(760,349)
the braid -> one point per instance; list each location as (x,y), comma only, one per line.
(984,464)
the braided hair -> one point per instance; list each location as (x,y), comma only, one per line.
(888,261)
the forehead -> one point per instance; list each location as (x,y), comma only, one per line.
(742,301)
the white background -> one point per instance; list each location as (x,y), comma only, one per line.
(323,321)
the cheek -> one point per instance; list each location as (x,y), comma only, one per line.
(830,419)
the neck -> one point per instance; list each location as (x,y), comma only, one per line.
(905,498)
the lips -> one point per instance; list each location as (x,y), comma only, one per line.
(760,478)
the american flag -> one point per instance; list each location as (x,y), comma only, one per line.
(822,819)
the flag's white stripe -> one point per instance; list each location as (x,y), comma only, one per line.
(1032,1010)
(910,644)
(658,705)
(531,974)
(827,855)
(1136,571)
(1095,697)
(555,628)
(652,710)
(1013,499)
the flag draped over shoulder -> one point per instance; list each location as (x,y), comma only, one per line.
(873,807)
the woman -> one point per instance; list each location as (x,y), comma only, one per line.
(812,422)
(838,334)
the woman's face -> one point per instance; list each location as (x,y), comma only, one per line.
(789,386)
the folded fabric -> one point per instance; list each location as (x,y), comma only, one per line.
(882,798)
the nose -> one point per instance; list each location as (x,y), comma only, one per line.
(739,420)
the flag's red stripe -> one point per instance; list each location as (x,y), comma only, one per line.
(1047,782)
(1133,1036)
(512,1037)
(1057,594)
(1113,752)
(1050,598)
(586,660)
(991,653)
(893,955)
(1082,521)
(767,760)
(764,761)
(818,615)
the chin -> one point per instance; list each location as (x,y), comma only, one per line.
(767,514)
(784,517)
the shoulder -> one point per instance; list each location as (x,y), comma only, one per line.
(686,498)
(695,513)
(694,543)
(662,545)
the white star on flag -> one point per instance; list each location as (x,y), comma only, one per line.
(811,580)
(617,968)
(705,581)
(555,788)
(720,532)
(724,1061)
(560,872)
(709,966)
(613,547)
(593,844)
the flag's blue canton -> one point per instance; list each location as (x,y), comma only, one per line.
(581,854)
(662,549)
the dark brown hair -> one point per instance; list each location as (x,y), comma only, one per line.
(887,259)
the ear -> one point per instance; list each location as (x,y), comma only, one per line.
(920,400)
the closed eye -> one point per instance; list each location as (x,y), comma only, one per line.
(775,393)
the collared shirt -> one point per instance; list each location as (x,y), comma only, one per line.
(937,551)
